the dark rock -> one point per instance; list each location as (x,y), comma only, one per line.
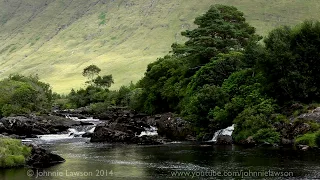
(287,142)
(132,124)
(41,158)
(248,142)
(207,137)
(87,135)
(82,123)
(301,129)
(172,127)
(223,139)
(105,134)
(30,126)
(313,115)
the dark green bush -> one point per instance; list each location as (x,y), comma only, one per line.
(269,135)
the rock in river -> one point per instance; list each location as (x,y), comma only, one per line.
(41,158)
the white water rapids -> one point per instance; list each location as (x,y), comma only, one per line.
(222,132)
(78,131)
(152,131)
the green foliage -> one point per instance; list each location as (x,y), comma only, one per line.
(104,81)
(21,95)
(221,29)
(102,18)
(162,86)
(91,71)
(253,118)
(215,72)
(269,135)
(318,138)
(12,153)
(308,139)
(84,97)
(291,66)
(198,105)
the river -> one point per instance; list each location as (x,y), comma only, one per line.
(177,160)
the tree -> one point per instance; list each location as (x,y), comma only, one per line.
(216,71)
(104,81)
(21,95)
(221,29)
(91,71)
(292,63)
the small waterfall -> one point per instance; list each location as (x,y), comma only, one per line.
(223,132)
(75,132)
(152,131)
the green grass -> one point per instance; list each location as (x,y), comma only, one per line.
(69,36)
(12,153)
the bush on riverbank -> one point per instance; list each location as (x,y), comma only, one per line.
(309,139)
(12,153)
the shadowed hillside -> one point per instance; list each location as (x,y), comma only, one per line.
(56,39)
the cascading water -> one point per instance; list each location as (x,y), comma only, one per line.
(88,119)
(152,131)
(74,132)
(222,132)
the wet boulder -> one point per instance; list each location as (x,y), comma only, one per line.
(41,158)
(224,140)
(30,125)
(171,127)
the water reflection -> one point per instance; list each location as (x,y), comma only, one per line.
(106,161)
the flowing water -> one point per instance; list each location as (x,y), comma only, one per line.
(177,160)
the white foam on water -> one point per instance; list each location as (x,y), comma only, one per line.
(222,132)
(152,131)
(88,119)
(72,133)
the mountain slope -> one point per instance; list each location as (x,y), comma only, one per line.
(56,39)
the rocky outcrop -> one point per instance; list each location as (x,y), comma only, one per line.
(298,126)
(291,130)
(41,158)
(313,115)
(124,129)
(171,127)
(29,126)
(122,125)
(248,142)
(224,140)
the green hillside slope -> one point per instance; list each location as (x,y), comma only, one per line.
(56,39)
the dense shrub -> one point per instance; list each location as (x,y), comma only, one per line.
(12,153)
(308,139)
(318,138)
(269,135)
(20,95)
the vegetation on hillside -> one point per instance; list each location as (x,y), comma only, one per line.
(222,75)
(57,39)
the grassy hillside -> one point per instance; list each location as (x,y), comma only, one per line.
(56,39)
